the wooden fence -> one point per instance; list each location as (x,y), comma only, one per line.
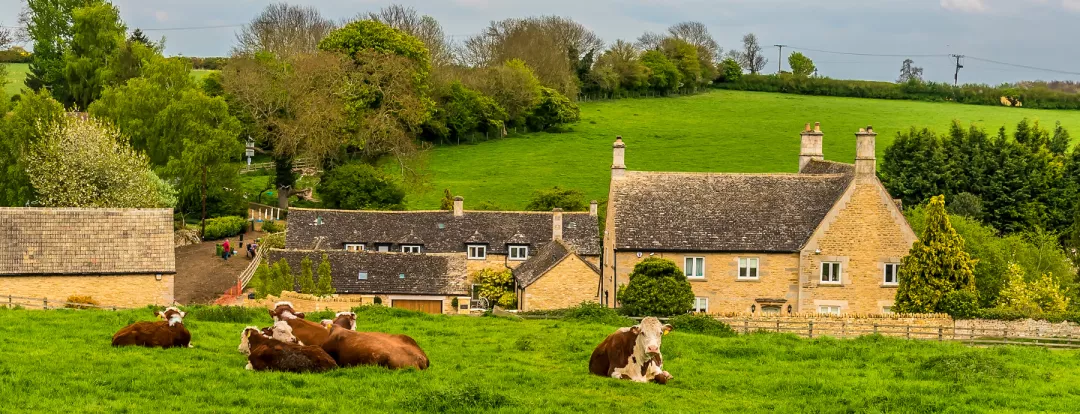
(12,301)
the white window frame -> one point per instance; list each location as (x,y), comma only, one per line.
(521,249)
(885,274)
(694,267)
(887,310)
(838,274)
(381,246)
(362,275)
(410,248)
(697,302)
(744,263)
(354,247)
(480,252)
(829,309)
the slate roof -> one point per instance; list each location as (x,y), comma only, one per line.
(86,241)
(440,231)
(828,167)
(425,274)
(658,211)
(542,261)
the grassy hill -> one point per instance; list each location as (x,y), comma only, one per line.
(54,361)
(722,131)
(16,74)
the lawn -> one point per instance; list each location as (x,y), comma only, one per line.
(722,131)
(55,361)
(16,75)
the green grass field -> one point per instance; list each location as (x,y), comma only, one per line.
(16,75)
(61,360)
(722,131)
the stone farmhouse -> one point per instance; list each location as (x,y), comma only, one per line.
(118,257)
(827,239)
(423,260)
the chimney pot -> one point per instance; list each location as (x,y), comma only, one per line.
(817,126)
(459,206)
(807,129)
(618,162)
(556,224)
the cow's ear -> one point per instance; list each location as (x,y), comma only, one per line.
(272,314)
(668,328)
(300,315)
(183,314)
(636,330)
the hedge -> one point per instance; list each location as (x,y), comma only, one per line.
(974,94)
(222,227)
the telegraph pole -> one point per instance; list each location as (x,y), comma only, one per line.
(780,59)
(956,76)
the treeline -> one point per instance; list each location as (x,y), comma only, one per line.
(1030,95)
(206,63)
(15,55)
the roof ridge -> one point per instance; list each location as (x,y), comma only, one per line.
(433,211)
(706,174)
(369,252)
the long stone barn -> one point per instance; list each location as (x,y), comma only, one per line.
(118,257)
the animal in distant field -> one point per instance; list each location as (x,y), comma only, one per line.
(167,333)
(633,353)
(269,354)
(350,348)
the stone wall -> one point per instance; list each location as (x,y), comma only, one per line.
(931,327)
(342,303)
(567,284)
(126,291)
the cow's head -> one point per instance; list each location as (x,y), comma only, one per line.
(650,333)
(346,320)
(245,344)
(284,311)
(173,315)
(282,332)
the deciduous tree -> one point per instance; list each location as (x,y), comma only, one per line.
(97,34)
(750,56)
(425,28)
(935,266)
(359,186)
(31,118)
(801,65)
(284,30)
(497,286)
(909,72)
(48,24)
(657,287)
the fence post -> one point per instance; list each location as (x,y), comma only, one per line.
(811,330)
(777,326)
(45,303)
(940,336)
(9,301)
(843,329)
(1006,331)
(908,331)
(746,327)
(875,329)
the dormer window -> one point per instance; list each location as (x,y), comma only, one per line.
(519,252)
(354,247)
(384,248)
(410,248)
(477,252)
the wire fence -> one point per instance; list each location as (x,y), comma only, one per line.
(12,301)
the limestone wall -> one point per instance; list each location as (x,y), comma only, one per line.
(126,291)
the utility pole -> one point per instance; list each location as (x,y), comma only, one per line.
(780,59)
(956,76)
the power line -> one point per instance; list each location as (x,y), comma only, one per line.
(860,54)
(1023,66)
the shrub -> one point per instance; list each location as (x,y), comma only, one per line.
(80,302)
(730,71)
(222,227)
(702,324)
(657,288)
(273,226)
(320,315)
(375,313)
(593,312)
(233,314)
(546,200)
(307,280)
(554,109)
(324,287)
(960,304)
(463,111)
(359,186)
(496,286)
(273,241)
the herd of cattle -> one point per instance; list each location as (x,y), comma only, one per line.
(294,344)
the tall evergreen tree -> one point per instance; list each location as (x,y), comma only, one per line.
(49,24)
(325,287)
(912,166)
(97,33)
(936,265)
(307,280)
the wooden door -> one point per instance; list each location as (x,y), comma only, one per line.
(426,306)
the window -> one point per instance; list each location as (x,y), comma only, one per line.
(352,247)
(519,252)
(830,272)
(475,291)
(748,268)
(891,270)
(829,309)
(695,267)
(477,251)
(410,249)
(770,310)
(362,275)
(385,248)
(886,310)
(700,305)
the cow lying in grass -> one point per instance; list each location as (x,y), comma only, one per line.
(164,334)
(309,333)
(350,348)
(281,351)
(633,353)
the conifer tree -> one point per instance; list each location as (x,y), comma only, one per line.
(936,265)
(262,279)
(325,288)
(307,281)
(283,279)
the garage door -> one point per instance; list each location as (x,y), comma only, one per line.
(426,306)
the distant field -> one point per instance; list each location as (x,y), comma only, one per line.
(59,360)
(200,74)
(722,131)
(16,75)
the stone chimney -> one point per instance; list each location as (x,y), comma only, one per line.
(811,145)
(618,163)
(865,159)
(556,224)
(592,208)
(459,206)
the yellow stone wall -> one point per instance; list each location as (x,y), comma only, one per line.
(567,284)
(128,291)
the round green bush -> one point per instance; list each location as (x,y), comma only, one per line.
(222,227)
(657,288)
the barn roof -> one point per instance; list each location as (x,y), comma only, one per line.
(659,211)
(86,241)
(386,273)
(543,260)
(438,231)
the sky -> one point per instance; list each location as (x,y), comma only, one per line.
(1035,33)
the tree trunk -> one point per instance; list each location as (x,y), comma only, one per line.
(283,198)
(203,231)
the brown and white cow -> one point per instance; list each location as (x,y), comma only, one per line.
(633,353)
(167,333)
(350,348)
(270,354)
(308,332)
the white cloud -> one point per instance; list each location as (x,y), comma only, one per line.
(970,6)
(1073,5)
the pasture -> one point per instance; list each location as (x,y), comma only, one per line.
(59,360)
(720,131)
(16,75)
